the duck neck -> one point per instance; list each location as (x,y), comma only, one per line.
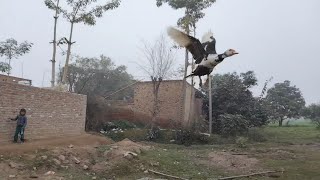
(221,57)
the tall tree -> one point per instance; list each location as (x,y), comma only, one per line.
(82,11)
(232,98)
(56,8)
(193,13)
(158,64)
(97,77)
(249,79)
(284,101)
(11,49)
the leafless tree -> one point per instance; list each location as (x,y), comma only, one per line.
(158,61)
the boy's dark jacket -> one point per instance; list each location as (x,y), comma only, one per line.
(21,120)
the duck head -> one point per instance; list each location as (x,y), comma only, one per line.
(230,52)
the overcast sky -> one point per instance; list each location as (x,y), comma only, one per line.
(274,38)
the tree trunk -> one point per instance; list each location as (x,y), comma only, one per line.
(53,60)
(156,84)
(9,59)
(65,71)
(280,122)
(9,70)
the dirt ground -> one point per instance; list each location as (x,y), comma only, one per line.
(80,140)
(92,156)
(78,157)
(234,162)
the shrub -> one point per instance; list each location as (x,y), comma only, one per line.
(242,142)
(233,125)
(183,137)
(189,137)
(153,134)
(124,124)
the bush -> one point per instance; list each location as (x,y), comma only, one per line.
(189,137)
(153,134)
(256,135)
(242,142)
(124,124)
(233,125)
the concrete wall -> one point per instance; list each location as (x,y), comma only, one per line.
(50,113)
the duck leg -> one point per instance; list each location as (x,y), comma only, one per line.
(200,83)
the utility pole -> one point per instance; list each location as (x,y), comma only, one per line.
(184,87)
(192,95)
(210,104)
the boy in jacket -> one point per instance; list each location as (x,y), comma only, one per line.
(21,124)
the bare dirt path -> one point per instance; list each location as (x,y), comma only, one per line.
(79,140)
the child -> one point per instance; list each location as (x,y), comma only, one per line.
(21,124)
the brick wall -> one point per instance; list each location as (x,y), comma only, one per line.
(171,104)
(50,113)
(171,113)
(169,97)
(12,79)
(101,111)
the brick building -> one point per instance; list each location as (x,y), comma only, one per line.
(50,113)
(12,79)
(171,102)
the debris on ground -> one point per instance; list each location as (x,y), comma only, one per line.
(49,173)
(125,149)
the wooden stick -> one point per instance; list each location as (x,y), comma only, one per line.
(166,175)
(239,154)
(253,174)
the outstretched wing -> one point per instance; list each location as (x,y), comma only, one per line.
(192,44)
(209,43)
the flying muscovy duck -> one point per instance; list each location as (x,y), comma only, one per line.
(204,53)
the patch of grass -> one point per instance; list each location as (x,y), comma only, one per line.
(292,135)
(256,135)
(304,163)
(103,148)
(180,161)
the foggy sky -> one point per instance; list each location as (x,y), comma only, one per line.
(274,38)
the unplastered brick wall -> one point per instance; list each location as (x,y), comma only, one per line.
(50,113)
(12,79)
(169,97)
(171,101)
